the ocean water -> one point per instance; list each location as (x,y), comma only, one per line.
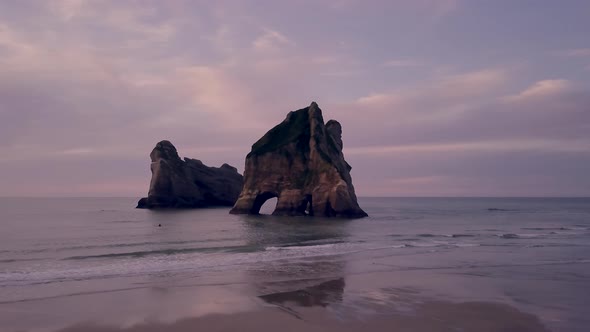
(530,253)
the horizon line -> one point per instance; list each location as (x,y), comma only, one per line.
(475,196)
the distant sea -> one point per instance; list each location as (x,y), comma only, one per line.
(532,254)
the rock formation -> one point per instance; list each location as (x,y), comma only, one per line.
(300,161)
(188,184)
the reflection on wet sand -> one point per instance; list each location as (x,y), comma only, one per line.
(320,295)
(293,278)
(431,316)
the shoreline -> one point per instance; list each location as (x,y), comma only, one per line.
(356,302)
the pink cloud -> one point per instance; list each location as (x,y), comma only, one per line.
(540,90)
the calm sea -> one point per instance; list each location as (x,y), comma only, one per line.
(533,253)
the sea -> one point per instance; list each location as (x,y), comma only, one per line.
(68,260)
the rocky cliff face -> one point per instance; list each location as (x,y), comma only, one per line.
(188,183)
(300,161)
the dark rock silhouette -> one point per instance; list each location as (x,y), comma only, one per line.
(300,161)
(188,183)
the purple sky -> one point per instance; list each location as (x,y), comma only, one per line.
(436,97)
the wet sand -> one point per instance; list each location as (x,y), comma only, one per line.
(314,315)
(316,306)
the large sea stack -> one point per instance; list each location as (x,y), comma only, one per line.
(300,161)
(188,183)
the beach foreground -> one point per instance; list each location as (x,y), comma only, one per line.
(310,310)
(321,306)
(413,265)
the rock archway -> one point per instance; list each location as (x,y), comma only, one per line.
(300,161)
(260,200)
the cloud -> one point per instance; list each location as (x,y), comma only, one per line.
(547,145)
(10,42)
(344,73)
(222,40)
(473,83)
(440,8)
(402,63)
(211,86)
(271,41)
(434,99)
(85,100)
(78,151)
(68,9)
(492,185)
(471,173)
(88,87)
(541,90)
(575,53)
(432,9)
(465,85)
(135,19)
(433,117)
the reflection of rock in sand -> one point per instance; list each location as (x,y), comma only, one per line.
(318,295)
(429,317)
(299,246)
(313,282)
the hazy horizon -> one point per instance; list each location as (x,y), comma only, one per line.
(274,199)
(437,98)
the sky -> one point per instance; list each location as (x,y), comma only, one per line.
(435,97)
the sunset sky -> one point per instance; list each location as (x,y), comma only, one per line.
(436,97)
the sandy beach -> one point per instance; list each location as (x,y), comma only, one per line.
(320,307)
(432,317)
(378,300)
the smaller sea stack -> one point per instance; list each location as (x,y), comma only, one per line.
(188,183)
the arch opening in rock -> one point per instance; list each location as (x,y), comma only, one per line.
(308,205)
(267,199)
